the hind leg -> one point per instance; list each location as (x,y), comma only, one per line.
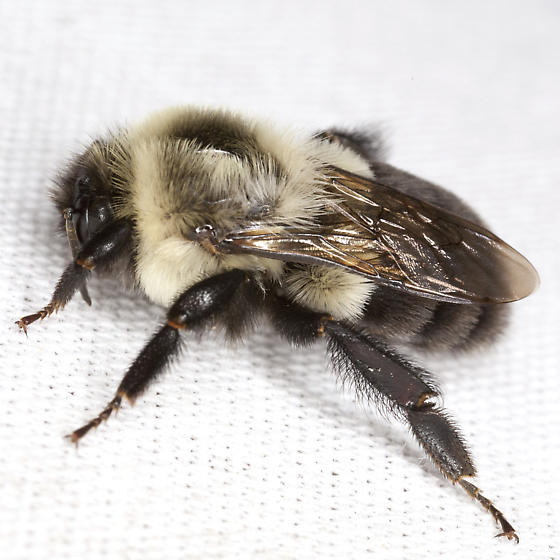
(382,376)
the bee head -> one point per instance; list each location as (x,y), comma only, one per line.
(86,190)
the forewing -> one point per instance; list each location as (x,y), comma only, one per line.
(381,233)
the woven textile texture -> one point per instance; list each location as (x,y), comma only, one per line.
(256,451)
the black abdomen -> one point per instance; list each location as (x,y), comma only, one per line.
(401,318)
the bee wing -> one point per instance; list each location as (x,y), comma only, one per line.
(379,232)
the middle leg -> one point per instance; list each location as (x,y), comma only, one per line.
(192,310)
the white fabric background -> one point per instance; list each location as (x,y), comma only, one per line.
(255,452)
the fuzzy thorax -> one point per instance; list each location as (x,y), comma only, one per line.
(246,175)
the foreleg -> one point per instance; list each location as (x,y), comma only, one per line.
(100,251)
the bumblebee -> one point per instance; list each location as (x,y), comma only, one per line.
(224,220)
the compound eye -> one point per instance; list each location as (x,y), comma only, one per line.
(89,211)
(89,220)
(99,213)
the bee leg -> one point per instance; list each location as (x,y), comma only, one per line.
(298,325)
(474,492)
(192,310)
(72,278)
(100,251)
(408,392)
